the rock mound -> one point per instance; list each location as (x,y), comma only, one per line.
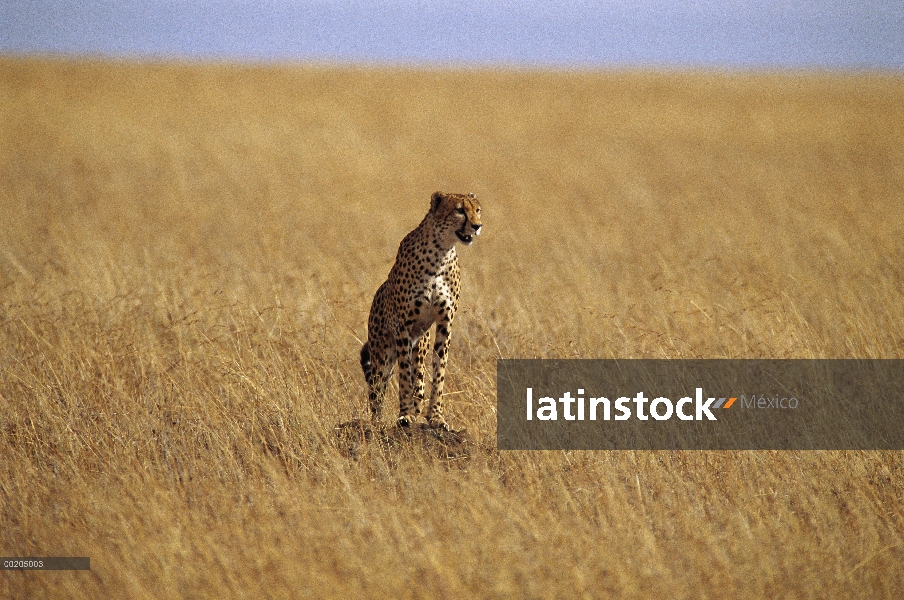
(355,436)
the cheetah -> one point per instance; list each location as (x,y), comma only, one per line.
(422,290)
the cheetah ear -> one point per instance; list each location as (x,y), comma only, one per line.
(435,200)
(472,196)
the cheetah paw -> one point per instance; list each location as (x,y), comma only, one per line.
(440,425)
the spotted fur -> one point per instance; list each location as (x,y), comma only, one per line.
(422,290)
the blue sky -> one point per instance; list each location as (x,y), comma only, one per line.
(708,33)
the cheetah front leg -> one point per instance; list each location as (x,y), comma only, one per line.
(411,376)
(419,371)
(440,356)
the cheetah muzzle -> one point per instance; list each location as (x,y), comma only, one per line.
(467,239)
(422,290)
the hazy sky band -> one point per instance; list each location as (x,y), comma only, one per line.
(720,34)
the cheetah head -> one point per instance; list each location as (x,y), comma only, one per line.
(458,214)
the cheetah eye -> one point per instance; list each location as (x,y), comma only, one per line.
(460,211)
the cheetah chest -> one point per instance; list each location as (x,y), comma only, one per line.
(434,298)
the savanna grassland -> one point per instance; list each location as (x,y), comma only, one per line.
(188,254)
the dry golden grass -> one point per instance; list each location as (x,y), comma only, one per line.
(188,254)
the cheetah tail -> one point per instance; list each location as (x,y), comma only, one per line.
(365,359)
